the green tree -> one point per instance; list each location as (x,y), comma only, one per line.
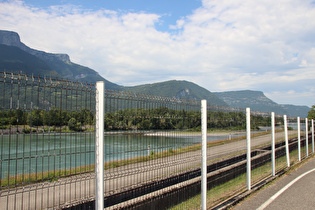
(311,113)
(86,117)
(74,125)
(4,118)
(17,117)
(36,118)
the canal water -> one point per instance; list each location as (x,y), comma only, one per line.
(37,153)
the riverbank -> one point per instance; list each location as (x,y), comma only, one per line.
(189,134)
(25,129)
(11,179)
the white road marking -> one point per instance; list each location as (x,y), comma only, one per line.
(264,205)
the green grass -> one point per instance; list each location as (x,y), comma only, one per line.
(26,179)
(221,192)
(31,178)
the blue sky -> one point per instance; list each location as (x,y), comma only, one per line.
(170,10)
(221,45)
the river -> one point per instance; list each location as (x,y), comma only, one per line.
(37,153)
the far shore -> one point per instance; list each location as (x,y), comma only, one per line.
(63,129)
(180,133)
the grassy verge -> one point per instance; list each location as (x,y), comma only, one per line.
(31,178)
(26,179)
(221,192)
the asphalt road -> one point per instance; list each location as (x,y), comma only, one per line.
(295,190)
(82,187)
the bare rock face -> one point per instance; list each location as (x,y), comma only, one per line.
(11,38)
(185,93)
(58,63)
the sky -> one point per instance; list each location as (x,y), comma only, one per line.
(221,45)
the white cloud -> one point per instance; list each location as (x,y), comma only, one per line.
(293,97)
(179,24)
(223,45)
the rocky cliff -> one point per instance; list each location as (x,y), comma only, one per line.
(11,38)
(46,62)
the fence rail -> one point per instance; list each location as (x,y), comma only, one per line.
(152,147)
(45,161)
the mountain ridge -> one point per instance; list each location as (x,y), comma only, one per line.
(15,58)
(257,101)
(59,63)
(179,89)
(34,61)
(12,38)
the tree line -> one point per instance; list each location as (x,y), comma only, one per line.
(161,118)
(311,113)
(164,118)
(54,117)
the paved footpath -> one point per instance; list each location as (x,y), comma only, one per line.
(295,190)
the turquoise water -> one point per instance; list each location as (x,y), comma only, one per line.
(37,153)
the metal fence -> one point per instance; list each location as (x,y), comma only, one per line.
(45,159)
(152,147)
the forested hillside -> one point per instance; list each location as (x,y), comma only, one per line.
(179,90)
(17,57)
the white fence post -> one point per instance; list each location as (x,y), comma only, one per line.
(204,154)
(248,167)
(273,145)
(312,135)
(299,137)
(99,147)
(286,139)
(306,136)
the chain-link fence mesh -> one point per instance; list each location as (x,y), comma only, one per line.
(152,147)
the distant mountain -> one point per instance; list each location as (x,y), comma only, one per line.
(300,111)
(19,57)
(16,56)
(178,89)
(13,58)
(257,101)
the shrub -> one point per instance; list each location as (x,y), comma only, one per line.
(26,130)
(74,125)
